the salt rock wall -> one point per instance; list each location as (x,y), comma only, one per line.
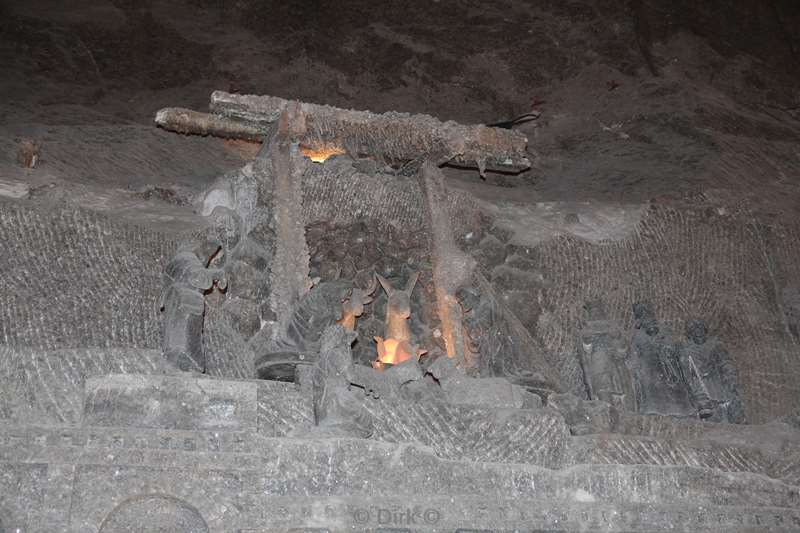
(337,193)
(72,278)
(46,387)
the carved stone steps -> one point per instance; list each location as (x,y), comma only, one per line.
(283,483)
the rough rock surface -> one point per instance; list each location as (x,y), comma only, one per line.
(46,386)
(74,279)
(214,470)
(665,170)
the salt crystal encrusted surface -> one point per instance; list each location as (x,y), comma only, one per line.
(72,278)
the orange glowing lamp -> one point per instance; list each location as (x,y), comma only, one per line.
(320,153)
(393,351)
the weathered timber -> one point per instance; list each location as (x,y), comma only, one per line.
(281,163)
(394,136)
(191,122)
(452,268)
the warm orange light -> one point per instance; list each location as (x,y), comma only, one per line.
(393,352)
(320,153)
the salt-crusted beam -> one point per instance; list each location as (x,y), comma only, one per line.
(193,122)
(452,268)
(280,168)
(395,136)
(398,136)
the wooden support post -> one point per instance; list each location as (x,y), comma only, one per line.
(280,167)
(452,268)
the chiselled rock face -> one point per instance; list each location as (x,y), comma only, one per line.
(253,418)
(301,317)
(596,310)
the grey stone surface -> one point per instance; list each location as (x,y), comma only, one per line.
(249,483)
(282,408)
(72,278)
(774,438)
(228,352)
(336,192)
(22,488)
(472,433)
(170,403)
(622,449)
(154,513)
(47,386)
(164,444)
(490,392)
(584,416)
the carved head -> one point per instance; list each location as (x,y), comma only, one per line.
(595,309)
(696,330)
(355,302)
(645,318)
(399,303)
(225,228)
(358,298)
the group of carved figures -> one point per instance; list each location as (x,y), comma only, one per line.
(187,279)
(652,373)
(332,376)
(655,373)
(239,287)
(397,344)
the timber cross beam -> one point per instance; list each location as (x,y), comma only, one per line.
(397,137)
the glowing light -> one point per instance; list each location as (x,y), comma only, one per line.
(394,352)
(320,153)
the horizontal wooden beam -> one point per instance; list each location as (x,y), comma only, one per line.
(191,122)
(393,136)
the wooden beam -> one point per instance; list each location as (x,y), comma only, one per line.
(393,136)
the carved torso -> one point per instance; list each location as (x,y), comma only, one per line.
(602,355)
(658,378)
(713,380)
